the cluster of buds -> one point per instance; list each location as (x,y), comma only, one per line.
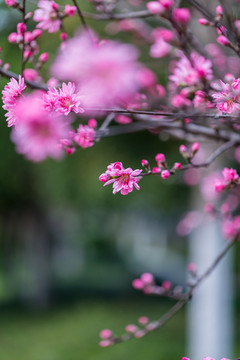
(190,152)
(136,331)
(230,179)
(162,167)
(27,39)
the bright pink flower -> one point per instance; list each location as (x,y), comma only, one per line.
(37,133)
(219,186)
(85,136)
(107,73)
(230,175)
(138,284)
(123,179)
(47,16)
(181,15)
(64,100)
(11,93)
(165,174)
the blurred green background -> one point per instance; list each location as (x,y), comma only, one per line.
(70,249)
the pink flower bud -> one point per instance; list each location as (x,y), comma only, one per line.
(177,165)
(105,334)
(70,150)
(131,328)
(219,186)
(145,163)
(92,123)
(63,36)
(54,5)
(167,4)
(195,147)
(12,38)
(10,2)
(147,278)
(223,40)
(105,343)
(183,150)
(165,174)
(138,284)
(236,84)
(70,10)
(155,7)
(166,285)
(219,10)
(181,15)
(36,33)
(21,28)
(143,320)
(43,57)
(27,54)
(103,178)
(160,158)
(28,37)
(203,21)
(156,170)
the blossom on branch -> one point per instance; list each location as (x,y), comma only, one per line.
(123,179)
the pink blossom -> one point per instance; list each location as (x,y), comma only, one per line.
(165,174)
(123,179)
(228,97)
(230,175)
(85,136)
(64,100)
(131,328)
(11,93)
(37,133)
(138,284)
(105,334)
(143,320)
(181,15)
(187,75)
(219,186)
(160,48)
(47,16)
(107,73)
(155,7)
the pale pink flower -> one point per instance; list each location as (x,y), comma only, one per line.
(11,93)
(123,179)
(85,136)
(187,75)
(227,99)
(106,73)
(47,16)
(37,133)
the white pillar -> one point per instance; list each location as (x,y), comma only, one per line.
(210,326)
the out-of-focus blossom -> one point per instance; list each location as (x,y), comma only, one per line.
(106,73)
(11,93)
(37,133)
(85,136)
